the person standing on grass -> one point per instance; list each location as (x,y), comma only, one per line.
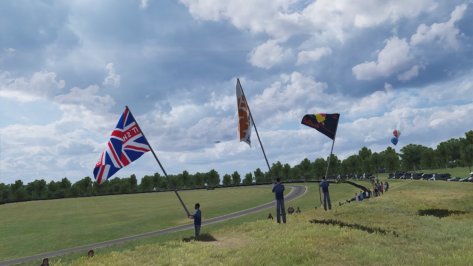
(324,185)
(197,216)
(278,190)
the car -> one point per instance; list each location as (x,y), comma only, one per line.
(444,177)
(426,176)
(454,179)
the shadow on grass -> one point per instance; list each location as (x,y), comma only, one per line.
(371,230)
(202,238)
(440,213)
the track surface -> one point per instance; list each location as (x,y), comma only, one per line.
(296,192)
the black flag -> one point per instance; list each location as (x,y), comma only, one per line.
(324,123)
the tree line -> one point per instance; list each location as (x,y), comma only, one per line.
(412,157)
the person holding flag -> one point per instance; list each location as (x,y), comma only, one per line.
(324,185)
(278,190)
(326,124)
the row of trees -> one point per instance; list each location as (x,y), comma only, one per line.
(413,157)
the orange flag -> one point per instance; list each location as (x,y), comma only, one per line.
(245,123)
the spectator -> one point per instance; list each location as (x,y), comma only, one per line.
(45,262)
(278,190)
(197,216)
(324,185)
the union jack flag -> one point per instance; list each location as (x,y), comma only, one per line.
(127,143)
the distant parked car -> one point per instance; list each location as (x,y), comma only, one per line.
(444,177)
(426,176)
(433,178)
(454,179)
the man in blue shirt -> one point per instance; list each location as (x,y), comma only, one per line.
(197,216)
(324,185)
(278,190)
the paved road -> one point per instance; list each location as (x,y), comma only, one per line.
(296,192)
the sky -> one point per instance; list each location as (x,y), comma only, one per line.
(69,68)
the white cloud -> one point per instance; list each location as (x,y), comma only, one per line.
(445,33)
(392,58)
(410,73)
(257,16)
(143,4)
(268,54)
(305,57)
(112,79)
(40,85)
(373,103)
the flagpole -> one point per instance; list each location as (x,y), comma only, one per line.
(254,125)
(328,166)
(160,165)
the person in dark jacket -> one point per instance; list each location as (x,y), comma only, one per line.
(197,216)
(324,185)
(278,190)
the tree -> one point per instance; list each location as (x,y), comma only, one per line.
(320,167)
(390,159)
(305,168)
(467,150)
(199,179)
(276,170)
(147,183)
(411,156)
(467,155)
(5,193)
(133,183)
(227,180)
(335,165)
(259,176)
(286,171)
(18,191)
(364,156)
(236,180)
(428,159)
(213,178)
(37,189)
(248,179)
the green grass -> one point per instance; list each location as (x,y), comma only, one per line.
(421,240)
(34,227)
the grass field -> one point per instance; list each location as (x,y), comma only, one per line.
(387,230)
(30,228)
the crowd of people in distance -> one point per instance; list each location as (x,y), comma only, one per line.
(379,187)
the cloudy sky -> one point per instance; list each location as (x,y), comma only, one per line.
(68,69)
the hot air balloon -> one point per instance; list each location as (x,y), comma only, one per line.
(397,133)
(394,140)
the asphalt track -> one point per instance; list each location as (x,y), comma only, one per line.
(296,192)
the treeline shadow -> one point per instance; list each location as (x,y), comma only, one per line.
(371,230)
(440,213)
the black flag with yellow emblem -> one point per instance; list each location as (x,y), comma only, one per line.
(324,123)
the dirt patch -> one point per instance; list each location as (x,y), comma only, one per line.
(371,230)
(440,213)
(231,242)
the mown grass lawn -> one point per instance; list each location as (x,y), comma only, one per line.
(409,239)
(34,227)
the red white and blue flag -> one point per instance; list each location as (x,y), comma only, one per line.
(127,143)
